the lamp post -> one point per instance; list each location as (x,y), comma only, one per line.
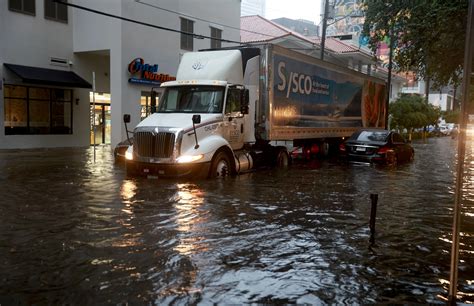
(467,70)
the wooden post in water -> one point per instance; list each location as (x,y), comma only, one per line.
(373,214)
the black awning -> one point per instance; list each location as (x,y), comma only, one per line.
(46,76)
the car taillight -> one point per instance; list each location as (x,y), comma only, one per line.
(342,147)
(384,150)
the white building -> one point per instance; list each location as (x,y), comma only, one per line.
(447,99)
(49,51)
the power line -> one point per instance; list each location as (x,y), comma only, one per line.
(201,19)
(169,29)
(199,36)
(143,23)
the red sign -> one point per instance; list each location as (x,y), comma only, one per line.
(148,73)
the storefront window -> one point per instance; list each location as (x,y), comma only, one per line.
(37,110)
(145,104)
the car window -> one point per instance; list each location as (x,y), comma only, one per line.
(378,136)
(397,138)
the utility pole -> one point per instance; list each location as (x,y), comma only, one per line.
(467,70)
(325,24)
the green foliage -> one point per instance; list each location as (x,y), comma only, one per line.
(429,35)
(412,111)
(451,117)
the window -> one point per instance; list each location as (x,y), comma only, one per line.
(186,39)
(37,110)
(216,35)
(145,104)
(55,11)
(397,138)
(192,99)
(233,100)
(22,6)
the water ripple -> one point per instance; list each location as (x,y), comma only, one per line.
(75,231)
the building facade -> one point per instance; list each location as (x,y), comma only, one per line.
(54,56)
(345,17)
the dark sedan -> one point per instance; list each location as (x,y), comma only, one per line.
(377,146)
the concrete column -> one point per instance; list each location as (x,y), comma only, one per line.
(116,96)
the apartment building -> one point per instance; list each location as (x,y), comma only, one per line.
(69,72)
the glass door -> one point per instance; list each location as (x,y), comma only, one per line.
(100,128)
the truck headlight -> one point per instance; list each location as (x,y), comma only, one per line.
(189,158)
(129,155)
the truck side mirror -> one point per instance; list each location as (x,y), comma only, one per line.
(126,118)
(196,119)
(244,106)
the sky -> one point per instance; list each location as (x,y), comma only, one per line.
(294,9)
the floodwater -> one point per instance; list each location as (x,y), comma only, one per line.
(75,231)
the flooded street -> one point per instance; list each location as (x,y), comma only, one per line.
(77,232)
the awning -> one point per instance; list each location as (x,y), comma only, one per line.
(44,76)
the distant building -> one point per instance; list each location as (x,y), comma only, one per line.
(252,7)
(304,27)
(447,98)
(345,17)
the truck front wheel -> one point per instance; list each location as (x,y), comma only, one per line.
(220,166)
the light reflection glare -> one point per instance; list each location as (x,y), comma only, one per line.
(188,198)
(128,189)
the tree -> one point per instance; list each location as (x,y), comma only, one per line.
(430,35)
(451,116)
(412,111)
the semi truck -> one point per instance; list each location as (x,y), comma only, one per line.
(229,111)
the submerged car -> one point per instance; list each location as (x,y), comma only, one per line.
(377,146)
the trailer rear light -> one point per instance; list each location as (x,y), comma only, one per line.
(189,158)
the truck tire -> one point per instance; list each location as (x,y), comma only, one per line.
(324,149)
(282,158)
(221,165)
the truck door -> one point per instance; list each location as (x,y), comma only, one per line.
(233,119)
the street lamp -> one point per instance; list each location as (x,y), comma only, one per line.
(468,57)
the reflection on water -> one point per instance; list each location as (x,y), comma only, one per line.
(77,231)
(188,200)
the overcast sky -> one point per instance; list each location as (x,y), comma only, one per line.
(294,9)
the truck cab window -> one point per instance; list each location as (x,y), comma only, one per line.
(192,99)
(233,101)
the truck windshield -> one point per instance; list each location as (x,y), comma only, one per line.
(192,99)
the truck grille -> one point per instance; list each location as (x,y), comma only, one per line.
(148,144)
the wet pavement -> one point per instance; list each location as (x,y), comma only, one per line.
(75,231)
